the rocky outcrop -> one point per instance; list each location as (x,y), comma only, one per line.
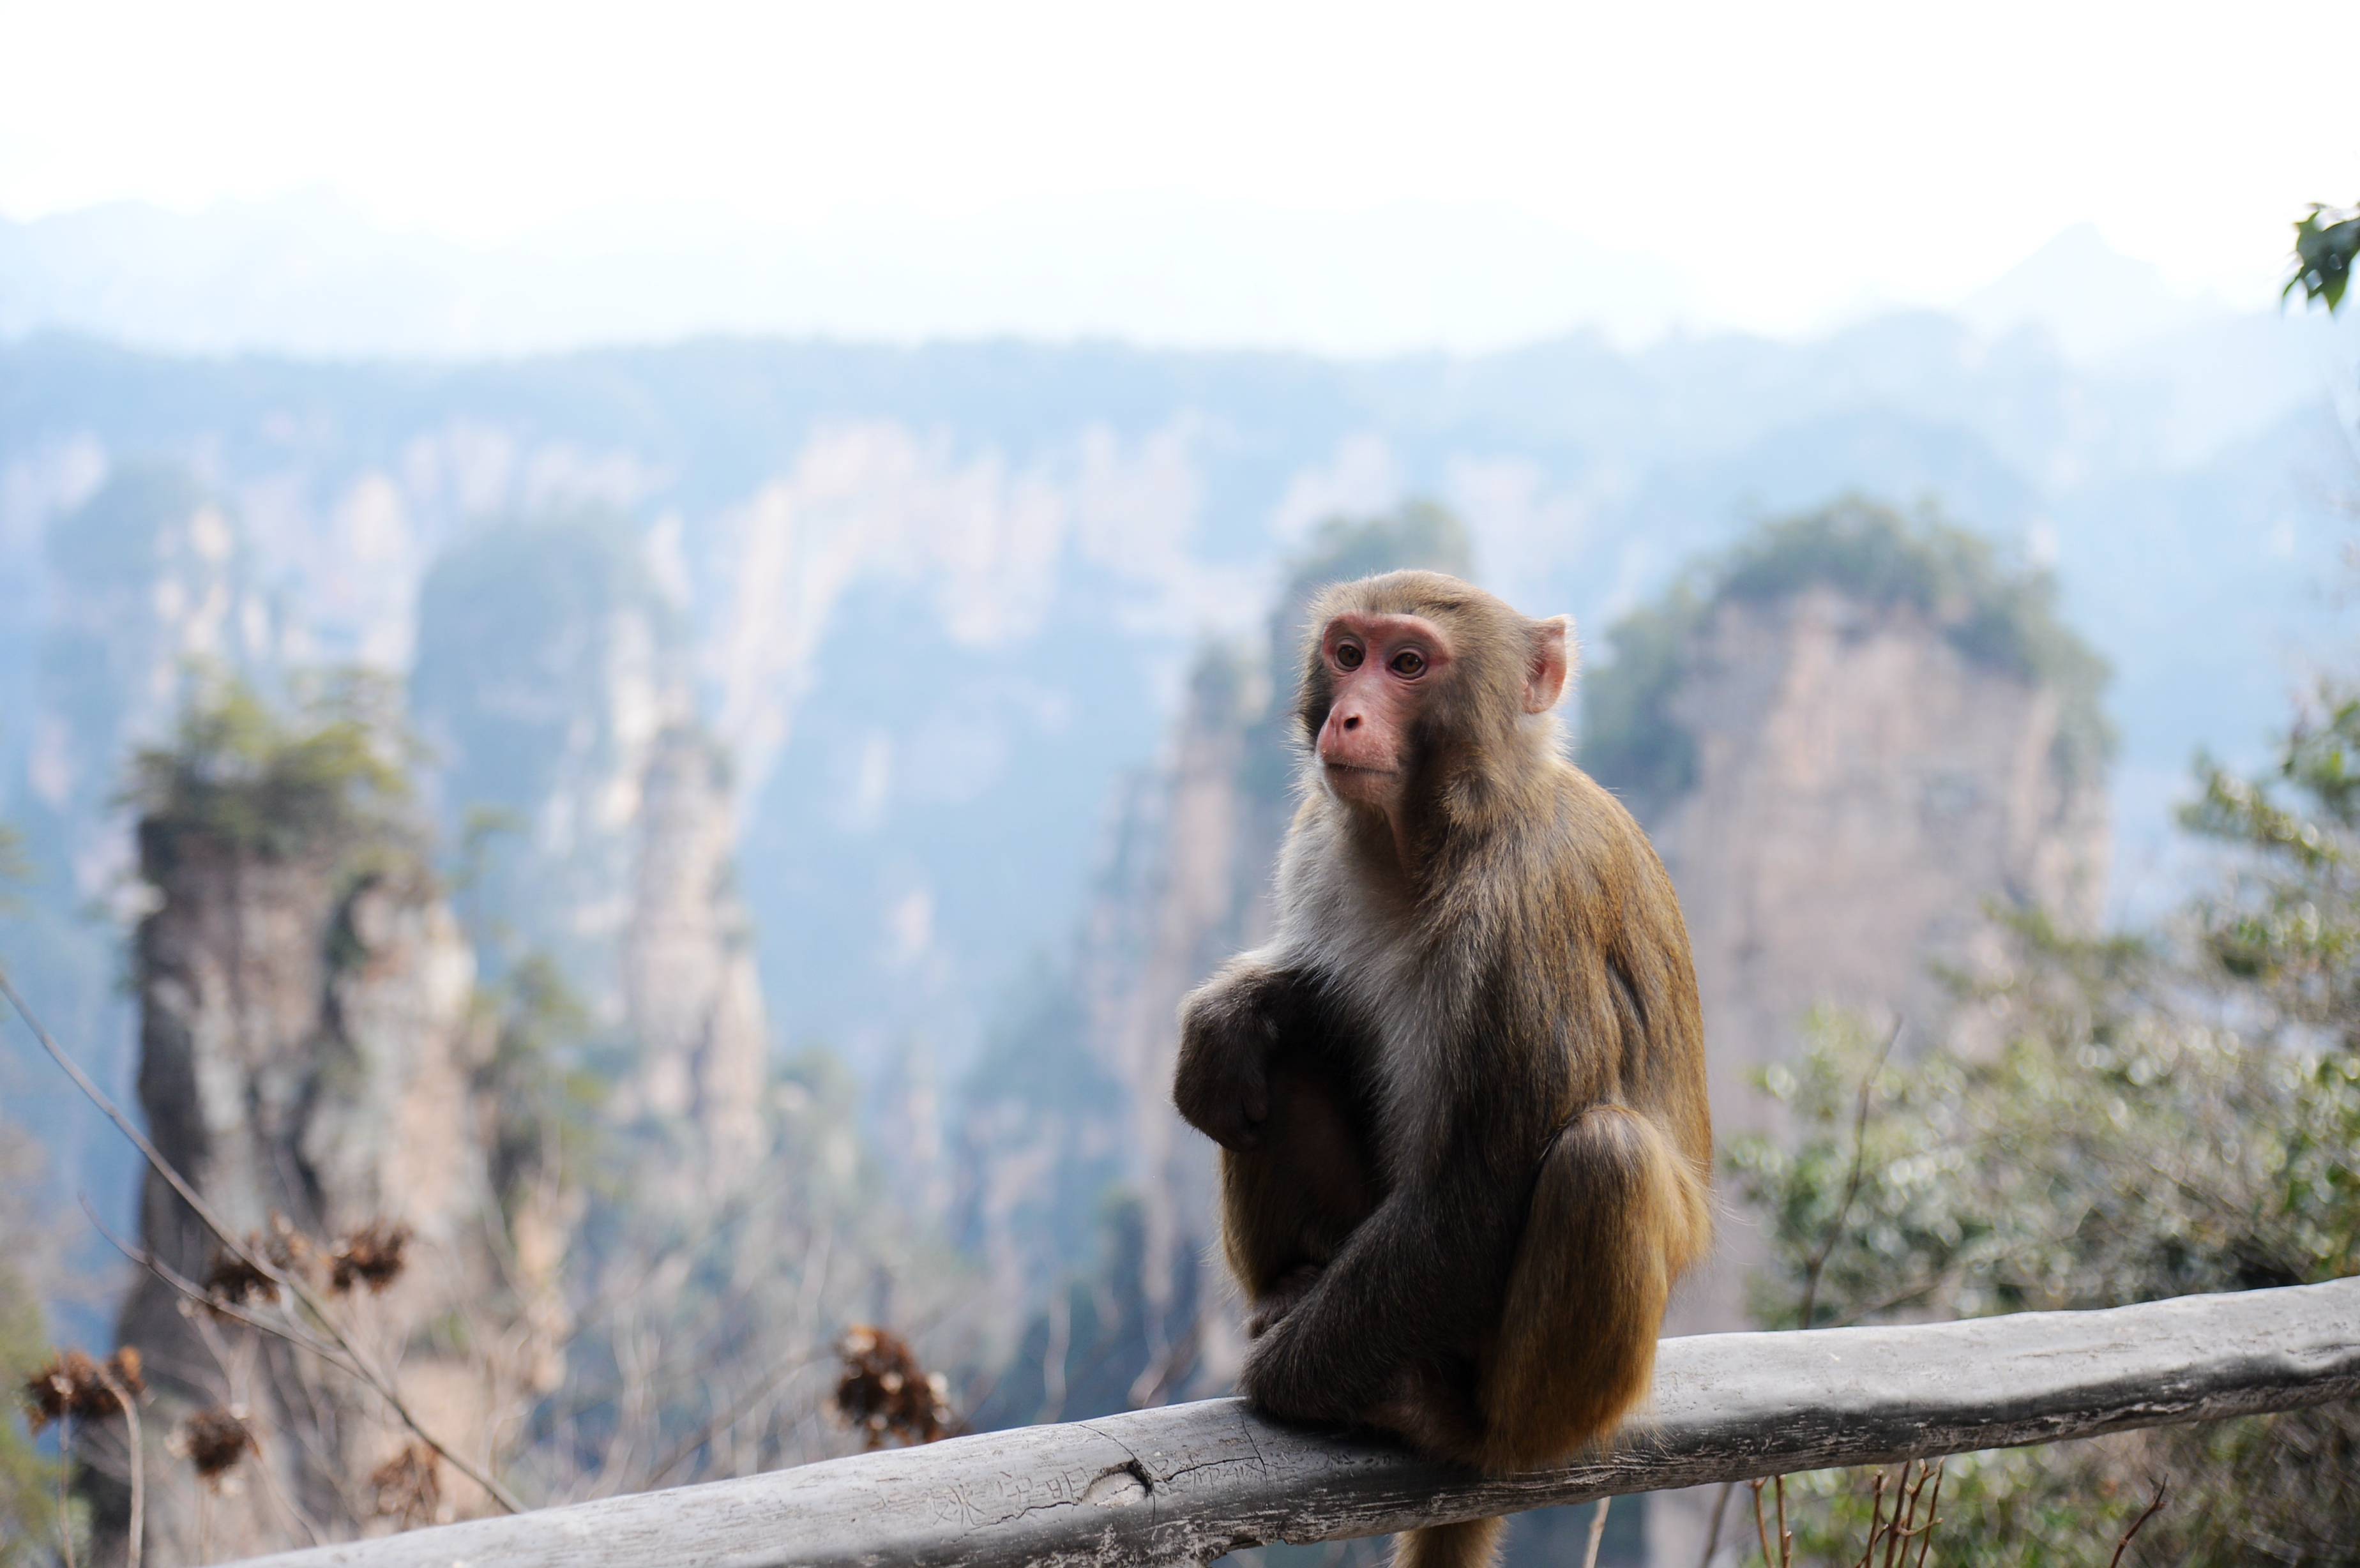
(691,995)
(310,1052)
(550,664)
(1865,791)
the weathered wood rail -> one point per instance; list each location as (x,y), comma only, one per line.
(1185,1484)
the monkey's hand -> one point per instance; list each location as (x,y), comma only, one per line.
(1228,1029)
(1270,1308)
(1285,1370)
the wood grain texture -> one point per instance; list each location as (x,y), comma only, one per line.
(1184,1484)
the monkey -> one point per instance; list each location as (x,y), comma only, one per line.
(1460,1094)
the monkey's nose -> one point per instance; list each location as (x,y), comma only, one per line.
(1353,722)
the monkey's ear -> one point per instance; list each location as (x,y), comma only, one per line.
(1551,664)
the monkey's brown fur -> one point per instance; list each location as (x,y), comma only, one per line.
(1461,1094)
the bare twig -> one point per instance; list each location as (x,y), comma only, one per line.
(1786,1536)
(1712,1535)
(291,1332)
(233,1380)
(1933,1514)
(2124,1544)
(362,1363)
(138,1470)
(1877,1520)
(65,1471)
(721,1424)
(1904,1514)
(1761,1530)
(1818,1261)
(1597,1533)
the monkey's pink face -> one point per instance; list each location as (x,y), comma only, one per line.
(1381,668)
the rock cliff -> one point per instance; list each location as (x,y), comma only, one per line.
(1866,736)
(690,992)
(554,687)
(311,1056)
(551,665)
(1863,792)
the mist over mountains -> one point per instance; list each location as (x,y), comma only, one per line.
(310,273)
(937,601)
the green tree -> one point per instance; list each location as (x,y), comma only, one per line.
(329,769)
(2111,1121)
(2326,239)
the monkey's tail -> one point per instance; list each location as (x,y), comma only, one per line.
(1470,1544)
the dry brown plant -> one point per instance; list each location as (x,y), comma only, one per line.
(408,1486)
(214,1440)
(885,1394)
(371,1256)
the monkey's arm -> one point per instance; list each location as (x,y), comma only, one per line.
(1417,1284)
(1229,1027)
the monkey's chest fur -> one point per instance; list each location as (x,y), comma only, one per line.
(1382,1030)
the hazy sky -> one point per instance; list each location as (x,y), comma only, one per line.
(1827,151)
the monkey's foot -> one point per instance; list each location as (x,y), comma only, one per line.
(1281,1298)
(1435,1413)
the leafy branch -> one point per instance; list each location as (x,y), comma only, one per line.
(2326,239)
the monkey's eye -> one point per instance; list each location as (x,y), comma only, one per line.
(1409,664)
(1349,655)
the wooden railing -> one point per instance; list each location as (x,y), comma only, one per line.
(1185,1484)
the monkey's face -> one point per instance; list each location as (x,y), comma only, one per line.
(1383,669)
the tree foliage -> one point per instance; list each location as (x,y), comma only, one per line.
(2326,239)
(2288,921)
(2112,1121)
(323,774)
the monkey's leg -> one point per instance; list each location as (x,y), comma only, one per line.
(1288,1204)
(1616,1214)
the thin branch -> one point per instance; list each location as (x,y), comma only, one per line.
(362,1363)
(1904,1515)
(1876,1519)
(65,1473)
(613,1296)
(291,1331)
(138,1469)
(721,1424)
(1597,1533)
(1933,1513)
(1818,1259)
(2124,1544)
(1713,1536)
(234,1380)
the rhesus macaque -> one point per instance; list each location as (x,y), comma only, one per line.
(1460,1096)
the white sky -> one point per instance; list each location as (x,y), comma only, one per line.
(1909,151)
